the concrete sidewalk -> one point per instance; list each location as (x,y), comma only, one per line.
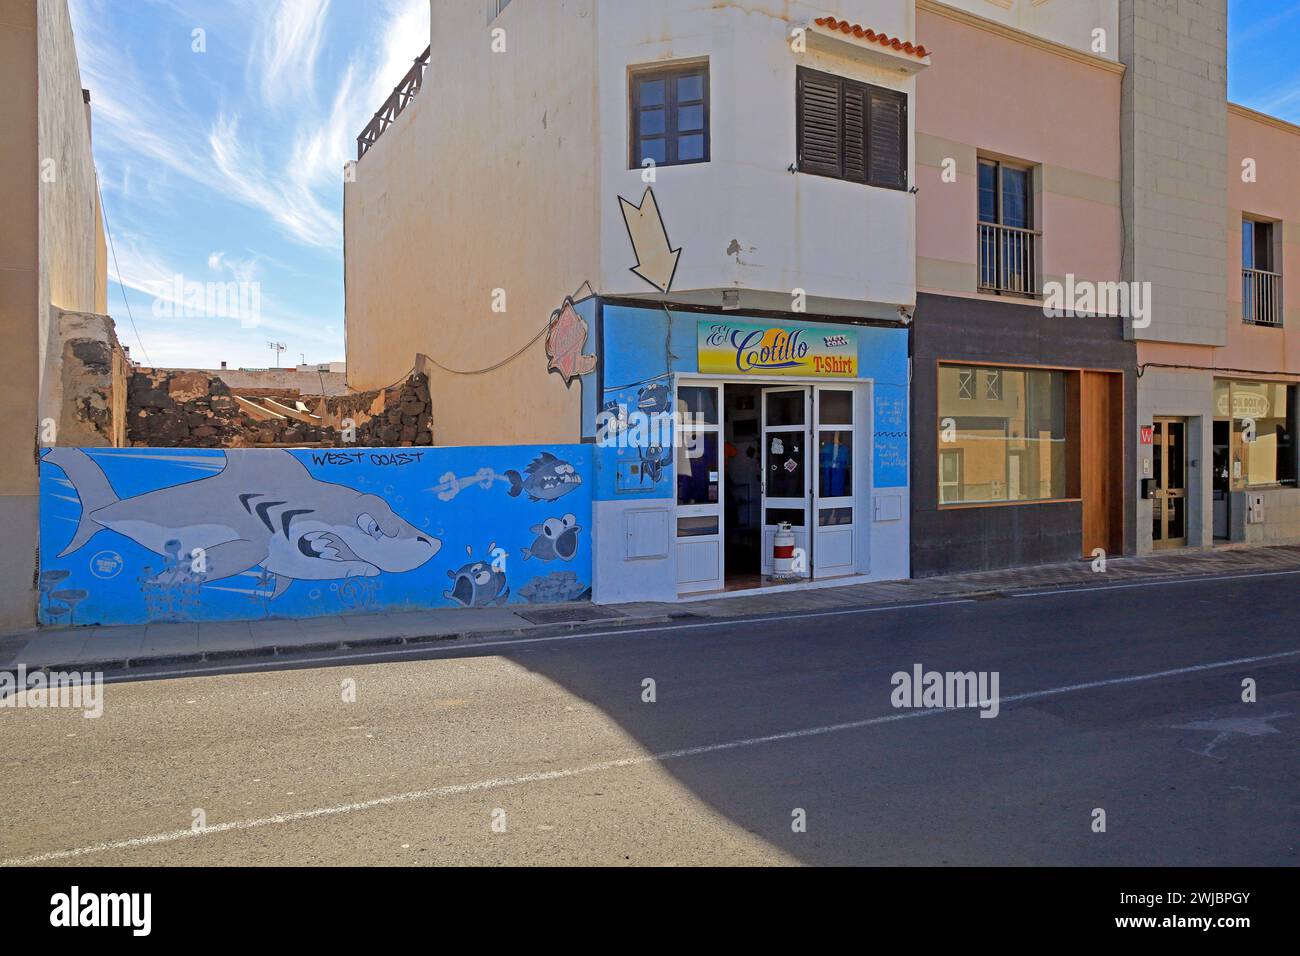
(119,648)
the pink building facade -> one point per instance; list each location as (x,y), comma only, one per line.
(1018,414)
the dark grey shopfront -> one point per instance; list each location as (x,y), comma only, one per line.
(1020,427)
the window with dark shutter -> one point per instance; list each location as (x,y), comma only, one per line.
(670,115)
(850,130)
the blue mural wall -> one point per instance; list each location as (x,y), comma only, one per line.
(642,349)
(138,535)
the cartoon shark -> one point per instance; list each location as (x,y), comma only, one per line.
(545,479)
(264,509)
(556,538)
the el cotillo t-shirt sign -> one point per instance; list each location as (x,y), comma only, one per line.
(744,348)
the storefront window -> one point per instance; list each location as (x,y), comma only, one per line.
(1263,426)
(697,474)
(1002,435)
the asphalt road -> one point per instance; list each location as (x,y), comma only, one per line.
(1126,700)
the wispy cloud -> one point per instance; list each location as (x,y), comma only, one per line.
(286,195)
(290,48)
(404,36)
(1283,101)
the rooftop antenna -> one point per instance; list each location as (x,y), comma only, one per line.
(277,348)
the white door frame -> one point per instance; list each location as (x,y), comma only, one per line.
(768,437)
(864,456)
(835,547)
(700,559)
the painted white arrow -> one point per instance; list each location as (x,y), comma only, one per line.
(656,260)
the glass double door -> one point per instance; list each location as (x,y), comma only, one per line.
(1169,466)
(808,469)
(808,448)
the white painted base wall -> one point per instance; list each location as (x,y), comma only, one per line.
(635,561)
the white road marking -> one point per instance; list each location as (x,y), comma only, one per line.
(432,647)
(1224,727)
(172,836)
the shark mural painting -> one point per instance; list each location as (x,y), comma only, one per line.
(261,510)
(139,535)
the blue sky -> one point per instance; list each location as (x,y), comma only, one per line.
(227,165)
(1263,69)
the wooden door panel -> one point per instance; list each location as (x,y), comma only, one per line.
(1101,461)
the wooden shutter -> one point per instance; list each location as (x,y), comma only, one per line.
(888,138)
(855,133)
(820,124)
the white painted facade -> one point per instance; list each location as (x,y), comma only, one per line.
(850,247)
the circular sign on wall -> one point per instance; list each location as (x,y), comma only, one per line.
(106,565)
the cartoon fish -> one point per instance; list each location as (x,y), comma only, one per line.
(264,509)
(477,584)
(653,399)
(545,479)
(653,462)
(556,538)
(612,420)
(564,344)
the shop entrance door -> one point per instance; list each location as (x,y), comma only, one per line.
(787,471)
(699,464)
(833,499)
(1169,503)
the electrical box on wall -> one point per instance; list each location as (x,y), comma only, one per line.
(646,534)
(629,476)
(888,507)
(1255,509)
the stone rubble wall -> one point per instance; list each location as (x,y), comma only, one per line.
(91,386)
(169,408)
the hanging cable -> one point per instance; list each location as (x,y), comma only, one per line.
(506,361)
(492,368)
(104,211)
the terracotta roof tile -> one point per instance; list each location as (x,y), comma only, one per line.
(871,36)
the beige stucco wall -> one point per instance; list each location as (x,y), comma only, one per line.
(19,298)
(448,207)
(388,240)
(49,253)
(69,207)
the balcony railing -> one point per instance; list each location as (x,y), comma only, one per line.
(1008,260)
(401,98)
(1261,297)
